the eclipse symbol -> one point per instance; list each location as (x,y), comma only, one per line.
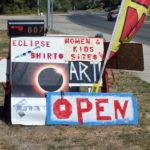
(50,79)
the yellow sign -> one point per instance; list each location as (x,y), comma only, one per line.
(130,20)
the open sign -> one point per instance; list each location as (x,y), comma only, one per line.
(91,109)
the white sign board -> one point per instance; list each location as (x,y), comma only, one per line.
(79,108)
(84,49)
(28,111)
(37,49)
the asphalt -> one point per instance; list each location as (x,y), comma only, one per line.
(148,18)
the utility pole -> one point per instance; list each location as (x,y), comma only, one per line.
(49,25)
(52,8)
(38,6)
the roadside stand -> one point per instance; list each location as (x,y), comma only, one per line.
(63,79)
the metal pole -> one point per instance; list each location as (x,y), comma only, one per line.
(52,8)
(38,6)
(48,15)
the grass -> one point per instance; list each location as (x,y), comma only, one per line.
(140,134)
(79,137)
(1,91)
(4,44)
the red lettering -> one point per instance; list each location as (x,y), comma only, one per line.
(42,43)
(48,55)
(25,43)
(55,55)
(82,41)
(73,56)
(32,55)
(77,41)
(91,49)
(131,25)
(95,57)
(101,109)
(86,49)
(83,56)
(38,55)
(14,43)
(44,55)
(71,41)
(87,40)
(19,43)
(75,49)
(67,110)
(144,3)
(61,56)
(83,110)
(37,43)
(66,41)
(98,42)
(31,43)
(117,107)
(89,56)
(48,44)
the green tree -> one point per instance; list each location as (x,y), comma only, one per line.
(17,6)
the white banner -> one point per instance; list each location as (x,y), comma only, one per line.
(37,49)
(79,108)
(28,111)
(84,49)
(52,49)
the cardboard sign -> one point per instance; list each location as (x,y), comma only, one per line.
(28,111)
(91,109)
(83,49)
(37,49)
(37,67)
(83,73)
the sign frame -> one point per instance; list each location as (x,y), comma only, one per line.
(49,121)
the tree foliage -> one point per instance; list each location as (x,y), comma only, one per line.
(17,6)
(30,6)
(62,5)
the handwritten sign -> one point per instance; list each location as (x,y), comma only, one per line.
(83,49)
(91,108)
(83,73)
(37,49)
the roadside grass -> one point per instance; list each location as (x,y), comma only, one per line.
(4,43)
(137,135)
(84,137)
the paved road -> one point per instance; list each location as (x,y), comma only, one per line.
(99,21)
(64,24)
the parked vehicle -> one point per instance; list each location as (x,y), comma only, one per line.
(112,15)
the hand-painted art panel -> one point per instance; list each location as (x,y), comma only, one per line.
(91,108)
